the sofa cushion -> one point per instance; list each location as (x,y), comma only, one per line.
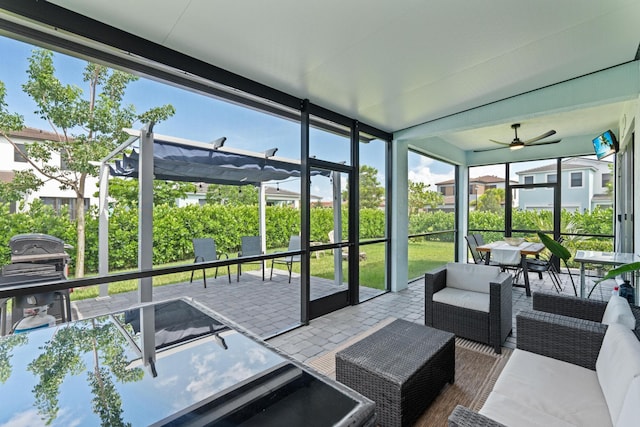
(471,277)
(465,299)
(535,390)
(618,311)
(630,413)
(617,364)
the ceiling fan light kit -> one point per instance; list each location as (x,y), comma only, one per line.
(517,143)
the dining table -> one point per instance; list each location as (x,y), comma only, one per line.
(604,258)
(511,253)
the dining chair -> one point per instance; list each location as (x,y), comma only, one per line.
(294,245)
(205,250)
(249,246)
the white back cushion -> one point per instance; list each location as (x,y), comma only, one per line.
(630,413)
(618,311)
(618,363)
(471,277)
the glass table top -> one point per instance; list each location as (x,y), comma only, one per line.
(90,372)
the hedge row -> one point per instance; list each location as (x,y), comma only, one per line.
(175,227)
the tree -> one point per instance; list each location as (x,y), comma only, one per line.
(125,191)
(420,197)
(492,200)
(86,129)
(371,193)
(232,195)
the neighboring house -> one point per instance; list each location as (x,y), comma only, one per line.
(275,197)
(50,193)
(583,181)
(477,187)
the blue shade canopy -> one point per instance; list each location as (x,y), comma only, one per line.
(180,162)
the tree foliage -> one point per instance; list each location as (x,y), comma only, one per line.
(86,128)
(125,191)
(492,200)
(420,197)
(232,195)
(371,193)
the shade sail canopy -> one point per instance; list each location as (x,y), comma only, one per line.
(176,161)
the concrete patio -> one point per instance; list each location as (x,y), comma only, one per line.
(270,307)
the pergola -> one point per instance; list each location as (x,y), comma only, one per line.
(176,159)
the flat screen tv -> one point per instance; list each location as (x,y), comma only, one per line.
(605,144)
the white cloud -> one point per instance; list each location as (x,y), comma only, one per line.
(28,418)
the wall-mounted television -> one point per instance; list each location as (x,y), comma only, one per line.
(605,144)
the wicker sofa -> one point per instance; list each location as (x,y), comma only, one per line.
(472,301)
(566,371)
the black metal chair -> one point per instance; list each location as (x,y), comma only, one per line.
(250,245)
(478,258)
(205,250)
(294,245)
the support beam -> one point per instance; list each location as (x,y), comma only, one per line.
(337,227)
(400,214)
(103,229)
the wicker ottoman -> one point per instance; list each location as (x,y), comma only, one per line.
(402,367)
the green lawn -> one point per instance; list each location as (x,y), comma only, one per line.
(423,256)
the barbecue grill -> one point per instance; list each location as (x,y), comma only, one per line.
(37,258)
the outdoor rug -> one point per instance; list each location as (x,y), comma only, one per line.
(477,368)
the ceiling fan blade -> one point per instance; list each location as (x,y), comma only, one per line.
(539,137)
(555,141)
(491,149)
(501,143)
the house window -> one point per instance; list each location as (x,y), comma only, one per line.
(473,188)
(606,179)
(17,156)
(528,179)
(576,179)
(443,191)
(64,164)
(490,187)
(552,178)
(57,203)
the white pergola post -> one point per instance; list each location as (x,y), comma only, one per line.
(337,227)
(262,217)
(145,243)
(103,229)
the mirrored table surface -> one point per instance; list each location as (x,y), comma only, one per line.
(206,371)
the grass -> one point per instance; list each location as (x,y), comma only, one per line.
(423,256)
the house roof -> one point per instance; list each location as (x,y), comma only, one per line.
(569,164)
(35,134)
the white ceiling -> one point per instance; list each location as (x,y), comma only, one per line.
(396,64)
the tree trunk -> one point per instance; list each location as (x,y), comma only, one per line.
(80,228)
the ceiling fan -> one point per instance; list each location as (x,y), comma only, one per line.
(517,143)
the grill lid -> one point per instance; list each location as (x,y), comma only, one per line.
(35,244)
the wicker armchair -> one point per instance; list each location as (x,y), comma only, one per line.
(480,309)
(579,308)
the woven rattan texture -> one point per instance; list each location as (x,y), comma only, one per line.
(489,328)
(401,367)
(564,338)
(463,417)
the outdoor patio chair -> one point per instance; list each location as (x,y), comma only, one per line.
(471,301)
(205,250)
(294,245)
(250,246)
(478,258)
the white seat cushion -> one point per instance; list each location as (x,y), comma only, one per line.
(618,311)
(630,413)
(465,299)
(471,277)
(618,363)
(535,390)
